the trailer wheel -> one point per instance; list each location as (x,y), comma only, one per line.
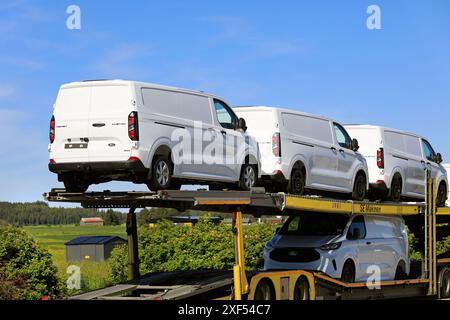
(444,287)
(265,290)
(301,291)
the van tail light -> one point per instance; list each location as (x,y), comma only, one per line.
(380,158)
(133,126)
(276,144)
(52,129)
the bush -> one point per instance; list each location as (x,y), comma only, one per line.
(204,246)
(26,270)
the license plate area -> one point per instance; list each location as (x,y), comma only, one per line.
(76,146)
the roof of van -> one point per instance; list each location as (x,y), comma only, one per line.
(267,108)
(88,83)
(369,126)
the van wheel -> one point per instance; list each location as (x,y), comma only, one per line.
(360,188)
(444,286)
(301,290)
(348,272)
(265,290)
(400,273)
(161,174)
(74,183)
(441,195)
(396,189)
(248,177)
(297,182)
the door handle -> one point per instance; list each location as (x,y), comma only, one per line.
(368,243)
(341,151)
(98,125)
(223,132)
(333,148)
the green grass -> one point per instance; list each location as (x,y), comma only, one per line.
(53,238)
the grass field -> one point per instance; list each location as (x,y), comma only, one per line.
(93,274)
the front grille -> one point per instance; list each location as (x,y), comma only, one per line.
(294,255)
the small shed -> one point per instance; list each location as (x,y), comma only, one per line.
(91,248)
(95,221)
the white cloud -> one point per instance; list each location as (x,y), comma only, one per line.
(121,62)
(6,91)
(27,63)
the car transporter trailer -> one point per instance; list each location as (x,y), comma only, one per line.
(431,278)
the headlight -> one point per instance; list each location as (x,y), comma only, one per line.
(331,246)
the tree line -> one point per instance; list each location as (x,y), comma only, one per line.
(39,213)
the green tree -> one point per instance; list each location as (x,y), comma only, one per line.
(26,270)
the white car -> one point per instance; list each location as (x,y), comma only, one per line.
(300,151)
(397,161)
(447,168)
(147,133)
(343,247)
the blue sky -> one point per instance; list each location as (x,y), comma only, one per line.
(314,56)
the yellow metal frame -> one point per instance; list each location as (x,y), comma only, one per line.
(239,275)
(276,276)
(350,207)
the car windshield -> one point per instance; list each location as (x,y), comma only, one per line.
(315,225)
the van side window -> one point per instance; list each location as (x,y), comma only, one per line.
(342,136)
(225,116)
(428,151)
(357,229)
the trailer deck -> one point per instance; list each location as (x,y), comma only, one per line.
(238,284)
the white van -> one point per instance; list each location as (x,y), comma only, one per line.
(447,168)
(302,151)
(397,161)
(147,133)
(343,247)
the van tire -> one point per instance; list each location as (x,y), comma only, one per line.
(249,177)
(400,273)
(359,187)
(74,183)
(444,284)
(296,184)
(396,188)
(348,272)
(162,175)
(441,195)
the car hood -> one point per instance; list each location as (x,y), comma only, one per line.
(289,241)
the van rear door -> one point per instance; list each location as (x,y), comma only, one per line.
(111,104)
(72,120)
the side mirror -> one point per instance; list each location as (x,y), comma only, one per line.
(242,124)
(438,158)
(354,145)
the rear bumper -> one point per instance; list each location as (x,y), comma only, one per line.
(106,167)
